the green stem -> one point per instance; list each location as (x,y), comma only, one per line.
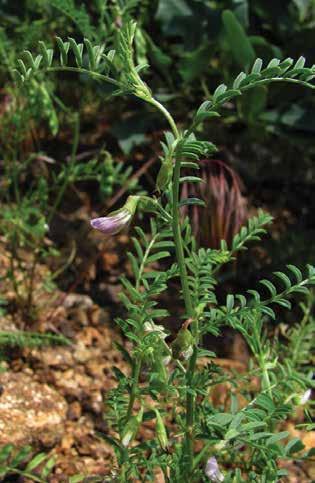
(166,114)
(177,234)
(133,393)
(146,254)
(80,70)
(12,274)
(190,414)
(176,227)
(202,453)
(31,275)
(265,375)
(190,399)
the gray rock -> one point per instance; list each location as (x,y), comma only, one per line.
(30,412)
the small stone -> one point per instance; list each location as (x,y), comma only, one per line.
(54,356)
(74,411)
(77,300)
(82,354)
(30,412)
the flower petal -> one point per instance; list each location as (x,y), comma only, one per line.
(306,396)
(212,470)
(110,225)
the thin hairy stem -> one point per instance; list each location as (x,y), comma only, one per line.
(145,257)
(135,382)
(176,226)
(166,114)
(177,234)
(80,70)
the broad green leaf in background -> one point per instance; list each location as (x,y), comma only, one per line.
(157,57)
(264,49)
(131,132)
(303,7)
(194,63)
(77,14)
(297,117)
(141,47)
(254,103)
(238,42)
(170,10)
(240,8)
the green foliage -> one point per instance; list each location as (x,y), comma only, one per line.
(301,338)
(32,202)
(238,42)
(239,306)
(78,15)
(36,468)
(254,425)
(29,339)
(275,71)
(165,373)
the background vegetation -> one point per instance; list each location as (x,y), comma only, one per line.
(69,150)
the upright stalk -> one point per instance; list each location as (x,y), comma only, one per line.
(178,240)
(190,399)
(135,382)
(177,234)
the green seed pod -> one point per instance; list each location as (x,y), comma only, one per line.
(159,367)
(161,430)
(183,344)
(131,428)
(164,176)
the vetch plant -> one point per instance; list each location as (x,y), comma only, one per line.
(22,463)
(171,383)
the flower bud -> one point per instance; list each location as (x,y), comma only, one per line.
(300,399)
(161,430)
(117,220)
(182,346)
(212,470)
(305,397)
(159,330)
(166,360)
(186,354)
(131,428)
(165,174)
(159,367)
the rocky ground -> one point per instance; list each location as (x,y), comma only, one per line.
(53,397)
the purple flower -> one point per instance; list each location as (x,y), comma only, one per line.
(212,470)
(116,221)
(112,224)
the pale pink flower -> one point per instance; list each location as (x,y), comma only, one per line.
(212,470)
(117,220)
(305,397)
(112,224)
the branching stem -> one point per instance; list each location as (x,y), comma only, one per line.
(177,234)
